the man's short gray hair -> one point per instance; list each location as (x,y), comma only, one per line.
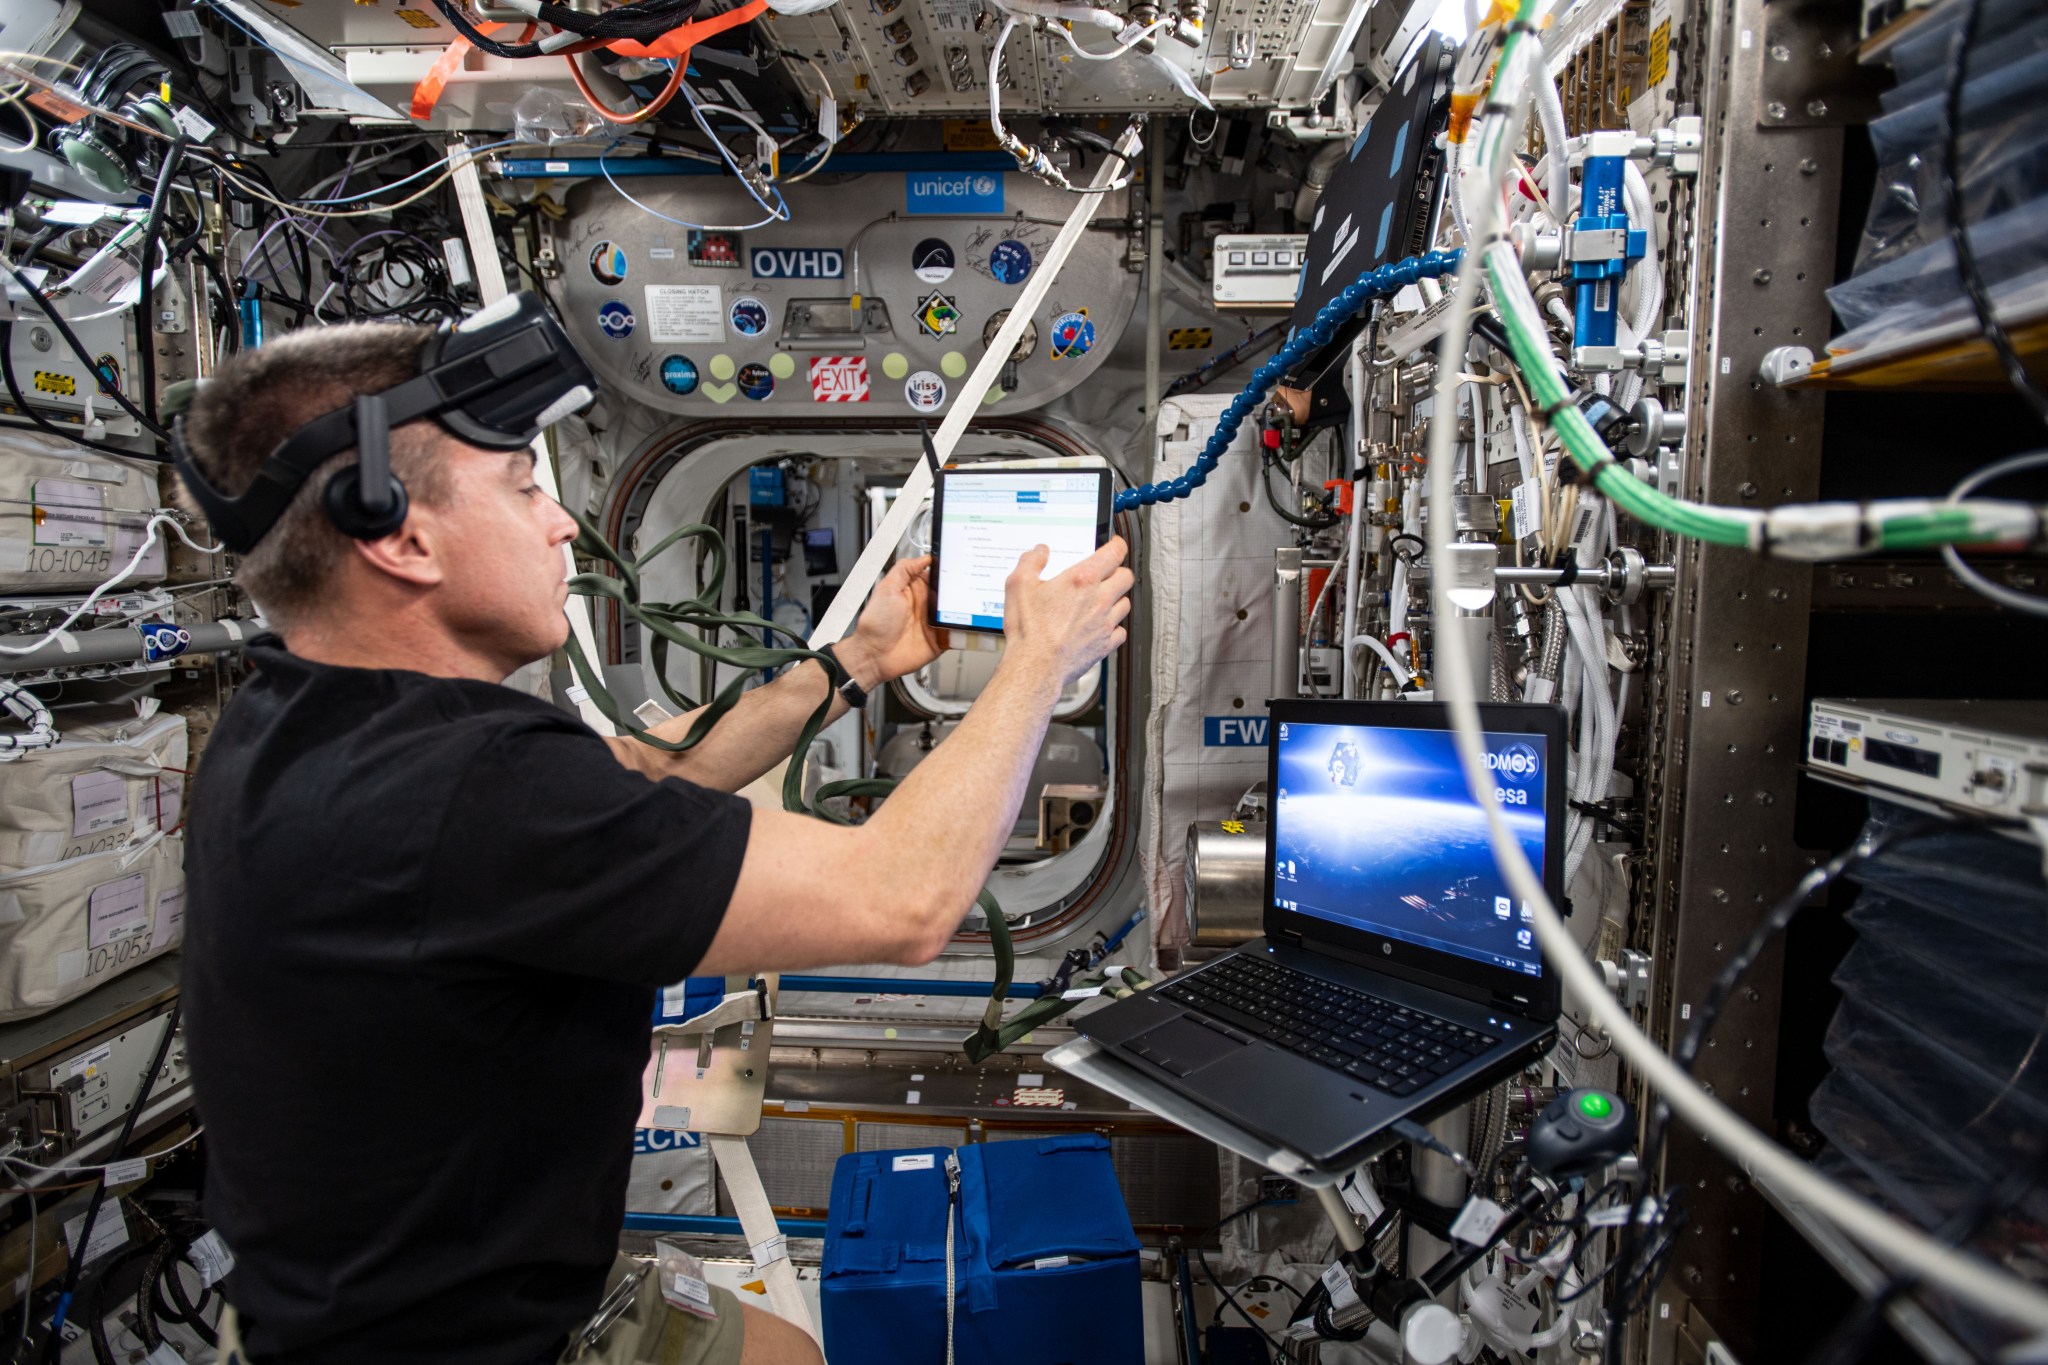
(258,398)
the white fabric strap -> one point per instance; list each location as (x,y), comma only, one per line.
(757,1223)
(490,287)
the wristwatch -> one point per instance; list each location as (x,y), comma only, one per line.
(842,681)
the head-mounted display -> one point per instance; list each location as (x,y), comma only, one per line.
(496,379)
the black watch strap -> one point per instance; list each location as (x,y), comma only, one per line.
(842,681)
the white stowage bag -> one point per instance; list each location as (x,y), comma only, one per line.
(71,517)
(1209,567)
(99,787)
(68,927)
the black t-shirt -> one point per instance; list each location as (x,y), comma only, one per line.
(428,917)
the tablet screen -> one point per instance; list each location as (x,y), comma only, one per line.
(987,519)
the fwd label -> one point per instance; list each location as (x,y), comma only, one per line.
(1234,732)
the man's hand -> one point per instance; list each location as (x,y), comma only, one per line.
(895,635)
(1069,623)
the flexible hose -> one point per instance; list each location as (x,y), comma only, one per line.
(1373,284)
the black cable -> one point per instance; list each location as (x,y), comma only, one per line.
(34,415)
(1202,1259)
(95,1311)
(162,1273)
(644,20)
(1966,254)
(42,302)
(52,1345)
(145,303)
(1322,523)
(1221,364)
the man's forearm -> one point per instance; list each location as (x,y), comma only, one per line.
(758,733)
(951,817)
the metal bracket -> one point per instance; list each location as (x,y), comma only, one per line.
(1629,978)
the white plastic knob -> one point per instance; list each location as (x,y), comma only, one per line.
(1431,1334)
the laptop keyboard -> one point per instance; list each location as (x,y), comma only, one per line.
(1391,1047)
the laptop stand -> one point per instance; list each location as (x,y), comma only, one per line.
(1088,1060)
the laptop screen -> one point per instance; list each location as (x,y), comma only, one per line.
(1374,829)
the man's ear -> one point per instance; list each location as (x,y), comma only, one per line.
(413,554)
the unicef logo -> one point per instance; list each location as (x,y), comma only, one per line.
(1516,763)
(984,184)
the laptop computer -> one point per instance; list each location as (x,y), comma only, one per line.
(1398,976)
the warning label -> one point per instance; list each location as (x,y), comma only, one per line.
(839,378)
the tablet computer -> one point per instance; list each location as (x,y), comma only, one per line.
(983,520)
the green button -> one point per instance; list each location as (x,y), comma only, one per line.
(1595,1105)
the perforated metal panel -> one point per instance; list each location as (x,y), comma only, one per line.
(882,1137)
(1169,1180)
(795,1159)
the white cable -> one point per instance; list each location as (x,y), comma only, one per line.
(1308,621)
(1597,725)
(995,89)
(185,1141)
(1557,156)
(148,539)
(1378,646)
(26,707)
(1997,592)
(679,222)
(1647,276)
(1965,1276)
(1119,50)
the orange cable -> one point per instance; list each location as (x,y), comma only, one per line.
(645,111)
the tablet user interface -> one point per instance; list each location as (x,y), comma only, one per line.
(988,520)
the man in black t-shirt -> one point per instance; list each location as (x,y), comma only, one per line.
(429,913)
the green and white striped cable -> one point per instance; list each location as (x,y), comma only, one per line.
(1809,531)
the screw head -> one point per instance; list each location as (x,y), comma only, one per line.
(1749,490)
(1809,167)
(1776,111)
(1762,277)
(1816,108)
(1733,696)
(1780,53)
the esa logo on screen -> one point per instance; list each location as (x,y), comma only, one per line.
(1516,764)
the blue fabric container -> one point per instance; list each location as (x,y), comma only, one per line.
(688,998)
(1045,1262)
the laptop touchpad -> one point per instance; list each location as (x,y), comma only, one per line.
(1181,1046)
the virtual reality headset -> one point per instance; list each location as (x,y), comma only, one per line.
(496,379)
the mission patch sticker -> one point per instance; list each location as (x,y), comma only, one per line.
(931,260)
(1009,261)
(608,264)
(936,315)
(679,375)
(749,317)
(925,391)
(756,382)
(1072,335)
(615,320)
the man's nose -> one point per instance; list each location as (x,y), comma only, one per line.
(562,527)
